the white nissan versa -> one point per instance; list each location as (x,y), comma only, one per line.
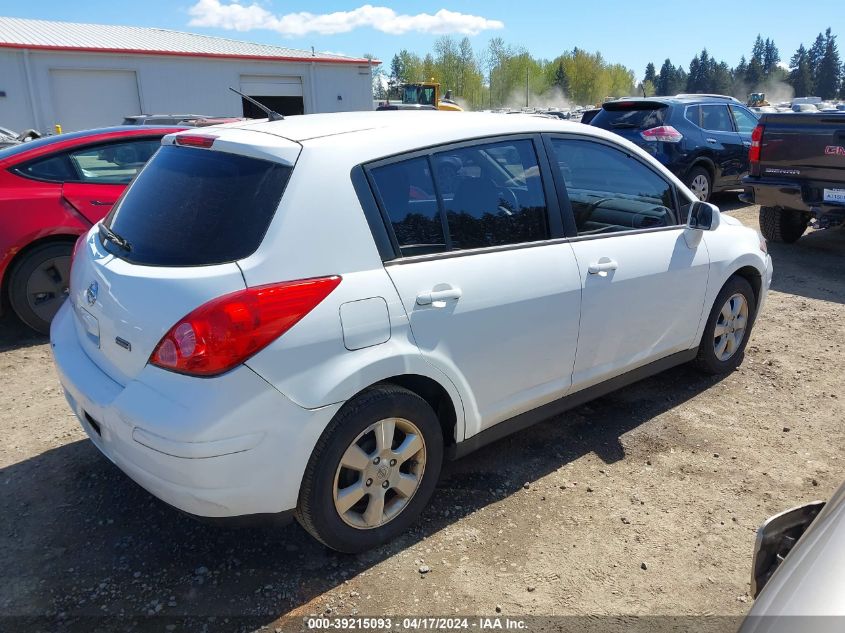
(305,317)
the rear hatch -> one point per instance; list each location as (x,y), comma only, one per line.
(631,117)
(173,240)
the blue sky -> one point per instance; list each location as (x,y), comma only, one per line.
(628,32)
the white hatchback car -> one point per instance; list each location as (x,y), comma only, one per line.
(306,316)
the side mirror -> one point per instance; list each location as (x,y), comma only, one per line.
(703,216)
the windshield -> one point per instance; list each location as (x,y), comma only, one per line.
(418,94)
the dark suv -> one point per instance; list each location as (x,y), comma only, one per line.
(702,139)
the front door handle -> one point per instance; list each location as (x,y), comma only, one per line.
(603,266)
(712,140)
(438,296)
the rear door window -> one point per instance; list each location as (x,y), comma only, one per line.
(114,163)
(406,192)
(195,207)
(496,197)
(56,168)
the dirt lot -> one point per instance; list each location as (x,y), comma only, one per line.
(675,472)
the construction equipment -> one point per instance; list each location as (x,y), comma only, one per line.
(422,95)
(757,100)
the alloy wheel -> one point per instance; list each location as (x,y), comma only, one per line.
(731,325)
(379,473)
(47,287)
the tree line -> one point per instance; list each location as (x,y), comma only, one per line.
(817,71)
(506,75)
(503,74)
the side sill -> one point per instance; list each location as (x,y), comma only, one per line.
(530,418)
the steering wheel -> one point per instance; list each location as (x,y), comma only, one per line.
(507,201)
(583,216)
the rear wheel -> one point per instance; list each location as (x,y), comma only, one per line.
(373,470)
(38,284)
(728,327)
(700,183)
(782,225)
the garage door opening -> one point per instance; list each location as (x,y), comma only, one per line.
(280,93)
(283,105)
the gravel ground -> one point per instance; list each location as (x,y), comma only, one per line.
(644,502)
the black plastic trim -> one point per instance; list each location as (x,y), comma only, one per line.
(375,219)
(530,418)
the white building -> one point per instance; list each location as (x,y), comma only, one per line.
(88,75)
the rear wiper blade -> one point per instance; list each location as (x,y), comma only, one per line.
(622,125)
(107,234)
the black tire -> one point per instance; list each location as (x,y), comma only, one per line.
(699,172)
(782,225)
(707,361)
(316,510)
(45,267)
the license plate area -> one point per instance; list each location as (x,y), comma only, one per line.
(834,195)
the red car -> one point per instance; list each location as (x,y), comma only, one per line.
(51,191)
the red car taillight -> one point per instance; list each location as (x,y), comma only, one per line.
(664,133)
(226,331)
(755,152)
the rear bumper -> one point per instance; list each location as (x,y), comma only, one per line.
(790,194)
(220,447)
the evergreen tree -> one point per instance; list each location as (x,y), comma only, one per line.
(666,80)
(771,57)
(561,80)
(680,79)
(800,73)
(650,74)
(755,76)
(827,80)
(694,79)
(759,49)
(741,70)
(722,82)
(814,58)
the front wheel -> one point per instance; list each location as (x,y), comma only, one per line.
(373,470)
(728,327)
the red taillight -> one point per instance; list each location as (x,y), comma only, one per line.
(226,331)
(195,140)
(664,133)
(755,150)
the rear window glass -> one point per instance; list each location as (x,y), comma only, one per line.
(630,115)
(195,207)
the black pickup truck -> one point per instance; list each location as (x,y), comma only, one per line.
(797,173)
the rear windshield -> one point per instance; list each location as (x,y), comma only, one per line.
(195,207)
(630,115)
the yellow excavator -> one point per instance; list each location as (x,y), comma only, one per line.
(423,95)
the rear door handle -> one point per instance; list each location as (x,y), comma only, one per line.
(438,296)
(712,140)
(101,203)
(603,266)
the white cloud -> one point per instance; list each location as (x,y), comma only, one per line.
(241,17)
